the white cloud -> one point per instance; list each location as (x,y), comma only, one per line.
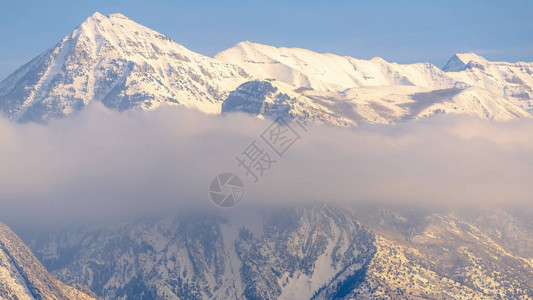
(100,165)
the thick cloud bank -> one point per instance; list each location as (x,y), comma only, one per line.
(100,164)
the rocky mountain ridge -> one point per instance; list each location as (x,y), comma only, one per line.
(120,63)
(125,65)
(22,277)
(311,252)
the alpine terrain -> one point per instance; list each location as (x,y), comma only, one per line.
(125,65)
(376,91)
(120,63)
(22,277)
(311,252)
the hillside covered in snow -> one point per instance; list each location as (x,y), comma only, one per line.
(23,277)
(310,252)
(125,65)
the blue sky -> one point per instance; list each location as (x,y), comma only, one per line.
(401,31)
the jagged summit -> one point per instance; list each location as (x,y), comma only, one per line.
(97,15)
(459,61)
(512,81)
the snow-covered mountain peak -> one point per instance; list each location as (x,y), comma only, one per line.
(333,74)
(512,81)
(97,15)
(459,61)
(330,72)
(119,31)
(125,65)
(471,57)
(121,63)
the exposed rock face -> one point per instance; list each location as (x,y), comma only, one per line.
(283,254)
(332,73)
(374,105)
(23,277)
(376,91)
(312,252)
(273,99)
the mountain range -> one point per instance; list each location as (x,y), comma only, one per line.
(313,251)
(303,252)
(125,65)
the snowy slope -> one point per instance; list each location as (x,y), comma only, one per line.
(512,81)
(472,101)
(272,255)
(375,91)
(121,63)
(374,105)
(22,277)
(311,252)
(128,66)
(330,72)
(468,254)
(272,98)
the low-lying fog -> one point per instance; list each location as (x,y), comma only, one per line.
(102,165)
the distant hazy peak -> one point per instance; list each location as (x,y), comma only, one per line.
(459,61)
